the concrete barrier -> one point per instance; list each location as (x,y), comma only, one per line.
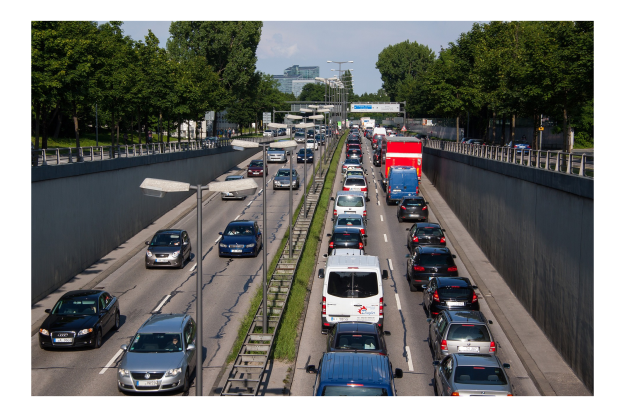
(536,228)
(80,212)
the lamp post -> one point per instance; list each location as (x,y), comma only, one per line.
(340,72)
(158,188)
(305,126)
(240,145)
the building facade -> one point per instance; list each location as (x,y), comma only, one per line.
(307,73)
(295,78)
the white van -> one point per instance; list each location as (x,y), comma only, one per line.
(350,202)
(379,131)
(352,290)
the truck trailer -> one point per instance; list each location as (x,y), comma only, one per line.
(400,151)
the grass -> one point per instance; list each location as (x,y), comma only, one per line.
(258,296)
(284,347)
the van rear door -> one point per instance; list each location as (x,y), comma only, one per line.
(353,295)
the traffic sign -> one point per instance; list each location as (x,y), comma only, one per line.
(403,129)
(266,117)
(541,128)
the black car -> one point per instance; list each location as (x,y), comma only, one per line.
(377,157)
(168,248)
(355,153)
(310,156)
(346,238)
(310,134)
(426,263)
(449,293)
(79,319)
(357,336)
(425,234)
(412,208)
(352,141)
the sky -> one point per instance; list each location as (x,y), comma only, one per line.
(283,44)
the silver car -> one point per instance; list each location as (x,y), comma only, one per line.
(352,221)
(461,331)
(281,180)
(226,195)
(461,374)
(276,155)
(168,248)
(160,357)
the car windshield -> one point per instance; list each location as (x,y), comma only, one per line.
(352,161)
(310,141)
(412,202)
(239,230)
(285,173)
(353,284)
(346,237)
(355,172)
(308,152)
(166,239)
(356,182)
(76,306)
(276,150)
(256,164)
(233,178)
(156,343)
(468,332)
(357,341)
(351,221)
(480,375)
(429,231)
(350,201)
(351,391)
(457,293)
(436,259)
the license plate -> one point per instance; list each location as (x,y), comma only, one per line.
(236,250)
(63,340)
(455,303)
(147,383)
(161,260)
(339,318)
(468,349)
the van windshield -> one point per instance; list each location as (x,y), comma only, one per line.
(353,284)
(344,391)
(350,201)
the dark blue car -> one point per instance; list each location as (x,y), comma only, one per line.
(310,156)
(241,238)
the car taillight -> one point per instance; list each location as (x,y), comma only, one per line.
(335,212)
(443,344)
(418,268)
(362,231)
(443,239)
(344,166)
(474,297)
(331,245)
(415,239)
(435,296)
(345,188)
(323,306)
(402,207)
(364,213)
(452,269)
(364,190)
(381,306)
(493,348)
(424,208)
(455,394)
(360,245)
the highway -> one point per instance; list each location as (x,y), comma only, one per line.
(227,289)
(404,316)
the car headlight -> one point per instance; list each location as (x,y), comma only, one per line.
(84,332)
(175,254)
(44,332)
(124,372)
(251,245)
(173,372)
(149,254)
(223,245)
(276,182)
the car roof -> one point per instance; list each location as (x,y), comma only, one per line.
(358,177)
(463,359)
(345,229)
(169,231)
(465,316)
(356,327)
(348,215)
(365,261)
(160,323)
(434,249)
(424,224)
(235,176)
(453,281)
(354,193)
(256,160)
(81,294)
(242,222)
(348,367)
(413,197)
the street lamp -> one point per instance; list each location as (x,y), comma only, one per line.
(318,117)
(159,188)
(240,145)
(306,126)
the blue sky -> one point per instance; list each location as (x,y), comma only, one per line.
(284,43)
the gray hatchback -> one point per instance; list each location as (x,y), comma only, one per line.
(460,332)
(460,375)
(168,248)
(160,357)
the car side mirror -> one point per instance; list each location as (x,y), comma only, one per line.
(364,235)
(329,235)
(221,233)
(424,287)
(428,320)
(191,346)
(425,202)
(407,255)
(331,198)
(506,366)
(321,273)
(443,230)
(124,347)
(474,287)
(407,229)
(325,255)
(399,373)
(47,310)
(147,242)
(453,256)
(384,274)
(310,369)
(490,322)
(436,363)
(387,333)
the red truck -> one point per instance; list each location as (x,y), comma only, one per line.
(401,151)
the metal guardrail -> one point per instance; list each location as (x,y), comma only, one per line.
(558,161)
(61,156)
(247,371)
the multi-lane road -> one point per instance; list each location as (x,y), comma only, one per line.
(228,287)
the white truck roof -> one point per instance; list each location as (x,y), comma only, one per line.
(337,262)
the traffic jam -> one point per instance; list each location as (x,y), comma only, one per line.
(463,353)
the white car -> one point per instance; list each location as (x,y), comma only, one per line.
(312,144)
(270,133)
(227,195)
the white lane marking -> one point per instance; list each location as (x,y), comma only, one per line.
(218,239)
(193,268)
(378,202)
(236,218)
(385,239)
(113,359)
(162,303)
(381,218)
(376,190)
(250,203)
(390,264)
(260,192)
(398,303)
(409,359)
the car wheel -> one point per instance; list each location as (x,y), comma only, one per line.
(185,385)
(256,252)
(146,266)
(98,339)
(434,383)
(116,325)
(412,287)
(399,219)
(181,263)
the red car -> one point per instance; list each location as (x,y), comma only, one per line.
(255,168)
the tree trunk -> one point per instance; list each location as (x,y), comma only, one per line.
(513,127)
(168,135)
(160,126)
(113,134)
(494,128)
(58,124)
(457,129)
(503,131)
(37,118)
(179,138)
(566,130)
(139,127)
(535,131)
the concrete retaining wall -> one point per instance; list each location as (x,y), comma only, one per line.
(80,212)
(536,228)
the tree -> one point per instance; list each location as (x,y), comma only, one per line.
(312,92)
